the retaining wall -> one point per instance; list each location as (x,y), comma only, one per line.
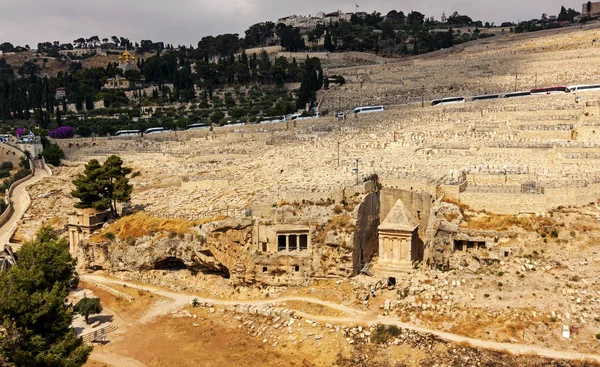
(5,216)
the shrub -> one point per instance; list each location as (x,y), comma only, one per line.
(554,233)
(53,154)
(500,284)
(195,302)
(6,166)
(63,132)
(338,209)
(19,132)
(109,236)
(22,173)
(384,333)
(598,336)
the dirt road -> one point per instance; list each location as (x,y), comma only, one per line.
(355,317)
(21,201)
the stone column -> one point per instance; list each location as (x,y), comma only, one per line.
(287,243)
(381,248)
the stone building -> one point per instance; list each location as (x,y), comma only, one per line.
(127,61)
(590,9)
(399,245)
(118,82)
(82,223)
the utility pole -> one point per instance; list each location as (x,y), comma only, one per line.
(356,169)
(338,154)
(516,78)
(422,96)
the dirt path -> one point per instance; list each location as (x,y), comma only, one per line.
(357,317)
(21,201)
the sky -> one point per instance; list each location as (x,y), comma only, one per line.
(185,22)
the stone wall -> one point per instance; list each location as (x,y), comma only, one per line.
(365,237)
(8,153)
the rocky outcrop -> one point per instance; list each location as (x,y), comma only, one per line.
(443,225)
(156,252)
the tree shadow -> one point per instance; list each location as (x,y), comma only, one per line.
(102,318)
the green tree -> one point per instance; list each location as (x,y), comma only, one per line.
(35,322)
(88,306)
(217,116)
(101,187)
(53,154)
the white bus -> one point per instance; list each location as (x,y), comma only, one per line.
(584,88)
(485,97)
(298,116)
(156,130)
(368,109)
(197,126)
(127,133)
(445,101)
(273,119)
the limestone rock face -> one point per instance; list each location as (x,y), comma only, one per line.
(298,243)
(443,225)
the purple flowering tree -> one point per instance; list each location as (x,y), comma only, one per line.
(63,132)
(19,132)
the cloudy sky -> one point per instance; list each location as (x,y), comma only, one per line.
(186,21)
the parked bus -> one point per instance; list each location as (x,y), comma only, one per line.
(156,130)
(368,109)
(197,126)
(298,116)
(548,91)
(486,97)
(584,88)
(272,119)
(517,94)
(127,133)
(445,101)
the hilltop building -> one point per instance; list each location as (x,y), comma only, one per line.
(127,61)
(590,9)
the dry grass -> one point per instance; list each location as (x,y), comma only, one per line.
(450,216)
(140,224)
(450,200)
(495,222)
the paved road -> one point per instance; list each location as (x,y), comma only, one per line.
(355,317)
(21,202)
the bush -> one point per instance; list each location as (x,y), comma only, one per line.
(22,173)
(63,132)
(6,166)
(384,333)
(598,336)
(554,233)
(109,236)
(53,154)
(338,209)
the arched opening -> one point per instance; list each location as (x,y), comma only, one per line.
(170,263)
(175,264)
